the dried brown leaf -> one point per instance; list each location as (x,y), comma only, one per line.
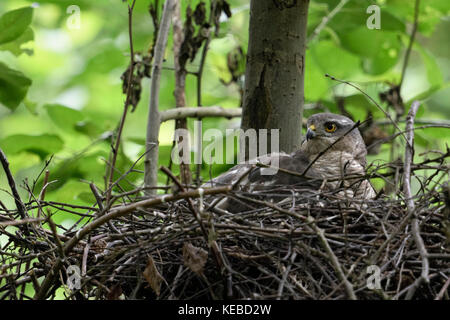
(194,258)
(114,292)
(153,276)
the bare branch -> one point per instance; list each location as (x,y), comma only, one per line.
(152,143)
(180,88)
(199,112)
(371,99)
(19,204)
(409,158)
(326,19)
(115,149)
(411,41)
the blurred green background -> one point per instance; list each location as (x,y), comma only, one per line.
(70,81)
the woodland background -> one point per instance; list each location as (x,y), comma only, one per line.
(61,91)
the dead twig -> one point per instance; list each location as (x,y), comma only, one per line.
(12,184)
(409,158)
(115,149)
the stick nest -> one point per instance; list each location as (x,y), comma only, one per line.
(315,245)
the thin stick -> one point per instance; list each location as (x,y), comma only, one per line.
(199,112)
(180,90)
(411,41)
(115,150)
(443,290)
(409,158)
(199,74)
(153,122)
(42,194)
(198,218)
(97,196)
(371,99)
(326,19)
(19,204)
(334,260)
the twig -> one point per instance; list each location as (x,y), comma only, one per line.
(113,214)
(97,196)
(86,249)
(19,204)
(151,159)
(435,122)
(371,99)
(59,245)
(334,260)
(42,194)
(180,88)
(198,218)
(115,150)
(411,41)
(199,112)
(326,19)
(442,291)
(20,222)
(409,158)
(285,275)
(199,73)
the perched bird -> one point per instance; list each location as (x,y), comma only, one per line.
(332,151)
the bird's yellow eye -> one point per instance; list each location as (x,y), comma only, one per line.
(330,127)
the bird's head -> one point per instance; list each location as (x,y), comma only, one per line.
(323,129)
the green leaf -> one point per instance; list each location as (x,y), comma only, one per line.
(430,14)
(88,128)
(13,87)
(41,145)
(334,60)
(86,197)
(434,74)
(379,49)
(358,105)
(14,23)
(316,85)
(15,47)
(64,117)
(353,15)
(429,92)
(91,167)
(31,106)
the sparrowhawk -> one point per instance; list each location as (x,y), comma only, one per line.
(332,156)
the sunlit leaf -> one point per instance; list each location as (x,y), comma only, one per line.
(41,145)
(434,73)
(15,46)
(64,117)
(380,50)
(316,85)
(13,86)
(14,23)
(334,60)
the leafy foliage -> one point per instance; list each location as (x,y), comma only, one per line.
(62,95)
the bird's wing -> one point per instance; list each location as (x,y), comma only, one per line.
(251,176)
(254,182)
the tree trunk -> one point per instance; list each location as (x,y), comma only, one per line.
(274,79)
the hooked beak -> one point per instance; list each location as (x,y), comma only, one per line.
(310,133)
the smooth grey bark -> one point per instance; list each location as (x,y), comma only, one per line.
(153,122)
(274,79)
